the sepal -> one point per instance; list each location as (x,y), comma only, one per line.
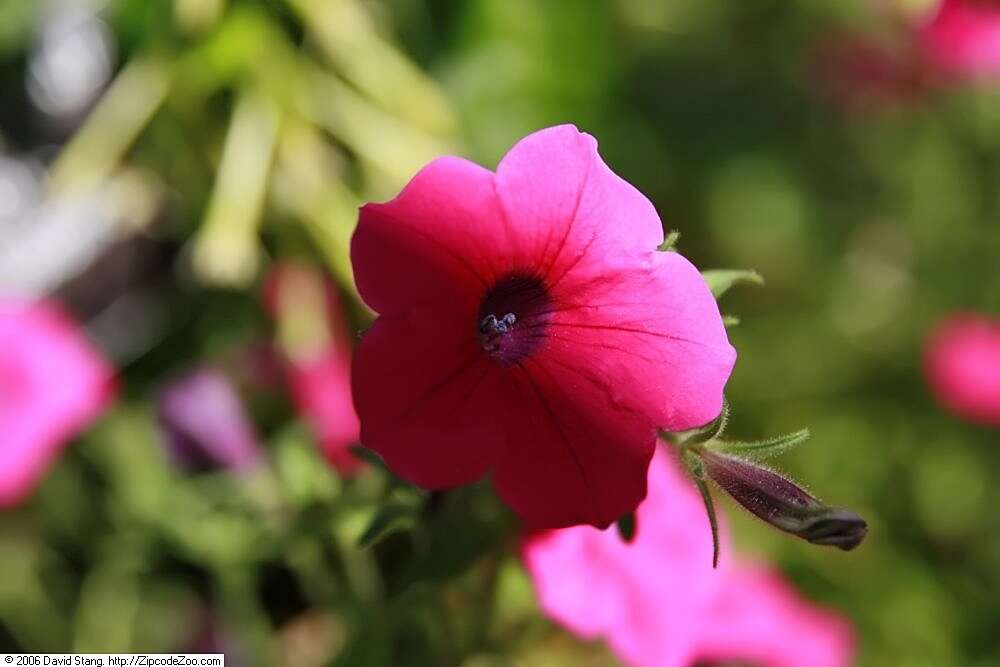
(720,280)
(761,449)
(697,471)
(706,433)
(670,241)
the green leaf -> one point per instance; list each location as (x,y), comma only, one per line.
(670,241)
(720,280)
(391,518)
(450,539)
(762,449)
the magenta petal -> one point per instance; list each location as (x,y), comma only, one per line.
(426,397)
(652,334)
(962,37)
(658,602)
(52,384)
(432,245)
(573,455)
(572,568)
(962,364)
(758,617)
(321,387)
(566,208)
(646,598)
(302,297)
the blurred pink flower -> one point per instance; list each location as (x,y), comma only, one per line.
(529,327)
(658,602)
(962,364)
(962,37)
(861,74)
(314,339)
(52,385)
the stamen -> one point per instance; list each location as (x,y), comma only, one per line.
(491,325)
(517,333)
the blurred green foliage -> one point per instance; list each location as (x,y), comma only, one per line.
(254,130)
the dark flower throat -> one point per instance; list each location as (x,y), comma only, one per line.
(513,317)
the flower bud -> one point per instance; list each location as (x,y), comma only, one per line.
(782,503)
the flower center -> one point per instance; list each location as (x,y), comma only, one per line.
(513,317)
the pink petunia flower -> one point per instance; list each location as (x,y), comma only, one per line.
(657,601)
(529,327)
(317,348)
(962,365)
(962,37)
(52,384)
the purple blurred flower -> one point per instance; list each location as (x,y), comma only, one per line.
(204,423)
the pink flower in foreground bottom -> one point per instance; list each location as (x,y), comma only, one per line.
(962,364)
(528,325)
(52,384)
(963,37)
(315,342)
(658,602)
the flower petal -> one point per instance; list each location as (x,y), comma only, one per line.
(658,601)
(759,618)
(316,345)
(565,208)
(962,37)
(432,245)
(321,387)
(646,598)
(425,393)
(652,334)
(577,581)
(53,383)
(962,364)
(573,455)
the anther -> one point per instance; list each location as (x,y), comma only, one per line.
(492,325)
(512,317)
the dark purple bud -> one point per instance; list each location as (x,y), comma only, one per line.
(204,424)
(782,503)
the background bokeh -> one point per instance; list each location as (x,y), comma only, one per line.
(157,157)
